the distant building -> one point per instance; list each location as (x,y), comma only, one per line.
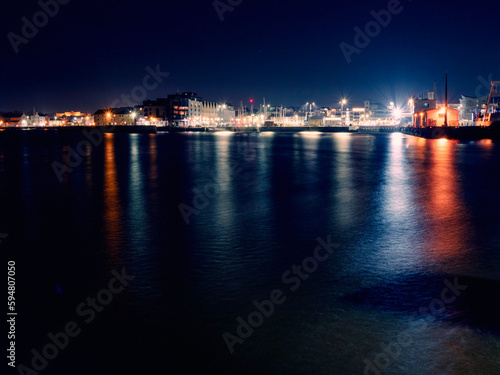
(209,114)
(355,116)
(290,120)
(424,104)
(189,109)
(334,118)
(10,118)
(115,116)
(178,108)
(316,121)
(154,109)
(226,113)
(36,119)
(376,113)
(71,118)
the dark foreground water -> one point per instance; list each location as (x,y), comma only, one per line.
(407,280)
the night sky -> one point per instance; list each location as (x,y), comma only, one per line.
(91,52)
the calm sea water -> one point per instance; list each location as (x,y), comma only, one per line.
(409,217)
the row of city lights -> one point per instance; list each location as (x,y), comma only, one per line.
(396,112)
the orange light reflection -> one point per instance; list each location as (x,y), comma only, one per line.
(113,226)
(447,226)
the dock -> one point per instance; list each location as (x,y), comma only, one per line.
(455,132)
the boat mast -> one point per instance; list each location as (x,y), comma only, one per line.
(446,102)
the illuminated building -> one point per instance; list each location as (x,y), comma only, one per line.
(71,118)
(115,116)
(178,108)
(154,109)
(436,117)
(376,113)
(188,109)
(10,118)
(36,119)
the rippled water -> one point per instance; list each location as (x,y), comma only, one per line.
(409,217)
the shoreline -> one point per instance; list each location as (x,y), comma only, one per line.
(453,133)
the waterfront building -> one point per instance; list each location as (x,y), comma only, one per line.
(424,104)
(203,113)
(316,121)
(356,116)
(226,114)
(154,110)
(178,108)
(436,117)
(115,116)
(36,119)
(286,120)
(70,118)
(10,118)
(209,113)
(376,113)
(334,118)
(189,109)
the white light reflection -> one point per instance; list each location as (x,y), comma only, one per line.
(396,247)
(307,133)
(137,211)
(344,193)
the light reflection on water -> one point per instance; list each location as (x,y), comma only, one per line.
(401,208)
(113,210)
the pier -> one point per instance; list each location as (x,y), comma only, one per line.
(455,132)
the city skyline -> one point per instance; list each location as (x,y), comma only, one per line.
(400,100)
(86,56)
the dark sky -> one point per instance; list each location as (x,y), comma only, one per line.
(91,52)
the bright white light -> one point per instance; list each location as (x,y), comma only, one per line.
(397,113)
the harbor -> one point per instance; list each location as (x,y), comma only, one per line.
(422,116)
